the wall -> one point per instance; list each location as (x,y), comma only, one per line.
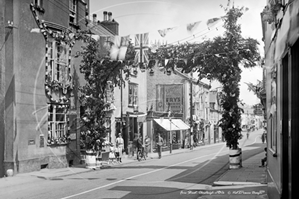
(25,103)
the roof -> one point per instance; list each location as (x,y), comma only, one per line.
(100,30)
(178,72)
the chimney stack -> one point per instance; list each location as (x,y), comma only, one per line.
(94,18)
(109,16)
(110,23)
(104,16)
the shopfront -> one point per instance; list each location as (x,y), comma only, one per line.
(172,131)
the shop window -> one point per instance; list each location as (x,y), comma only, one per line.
(133,94)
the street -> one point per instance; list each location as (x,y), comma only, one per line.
(180,175)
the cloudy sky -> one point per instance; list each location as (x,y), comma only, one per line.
(141,16)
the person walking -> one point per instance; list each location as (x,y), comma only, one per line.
(139,146)
(159,145)
(120,147)
(112,156)
(134,144)
(147,145)
(264,136)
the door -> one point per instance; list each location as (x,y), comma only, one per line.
(294,124)
(290,123)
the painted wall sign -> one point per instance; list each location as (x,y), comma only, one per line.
(170,96)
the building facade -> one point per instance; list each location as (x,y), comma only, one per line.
(38,76)
(280,23)
(169,102)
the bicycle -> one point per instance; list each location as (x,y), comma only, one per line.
(141,154)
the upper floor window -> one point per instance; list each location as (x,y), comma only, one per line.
(58,60)
(212,105)
(132,94)
(38,4)
(73,11)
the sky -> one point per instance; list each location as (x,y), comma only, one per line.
(142,16)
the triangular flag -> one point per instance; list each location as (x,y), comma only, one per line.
(164,32)
(213,21)
(192,26)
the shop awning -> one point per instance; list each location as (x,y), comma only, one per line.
(173,124)
(141,117)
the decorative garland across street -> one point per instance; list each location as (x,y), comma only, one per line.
(218,59)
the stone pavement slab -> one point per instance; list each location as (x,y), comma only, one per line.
(250,172)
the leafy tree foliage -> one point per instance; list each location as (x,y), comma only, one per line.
(220,59)
(100,74)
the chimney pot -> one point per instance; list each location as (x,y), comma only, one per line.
(109,16)
(104,16)
(94,18)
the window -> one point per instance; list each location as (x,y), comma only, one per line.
(56,124)
(273,139)
(212,105)
(133,94)
(73,11)
(58,61)
(273,114)
(38,5)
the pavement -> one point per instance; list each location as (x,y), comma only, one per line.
(247,182)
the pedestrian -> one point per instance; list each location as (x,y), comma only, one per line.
(264,136)
(195,141)
(139,146)
(186,141)
(112,155)
(147,145)
(159,145)
(120,147)
(264,160)
(134,144)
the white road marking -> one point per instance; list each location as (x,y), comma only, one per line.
(135,176)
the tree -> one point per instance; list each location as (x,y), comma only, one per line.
(101,74)
(221,59)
